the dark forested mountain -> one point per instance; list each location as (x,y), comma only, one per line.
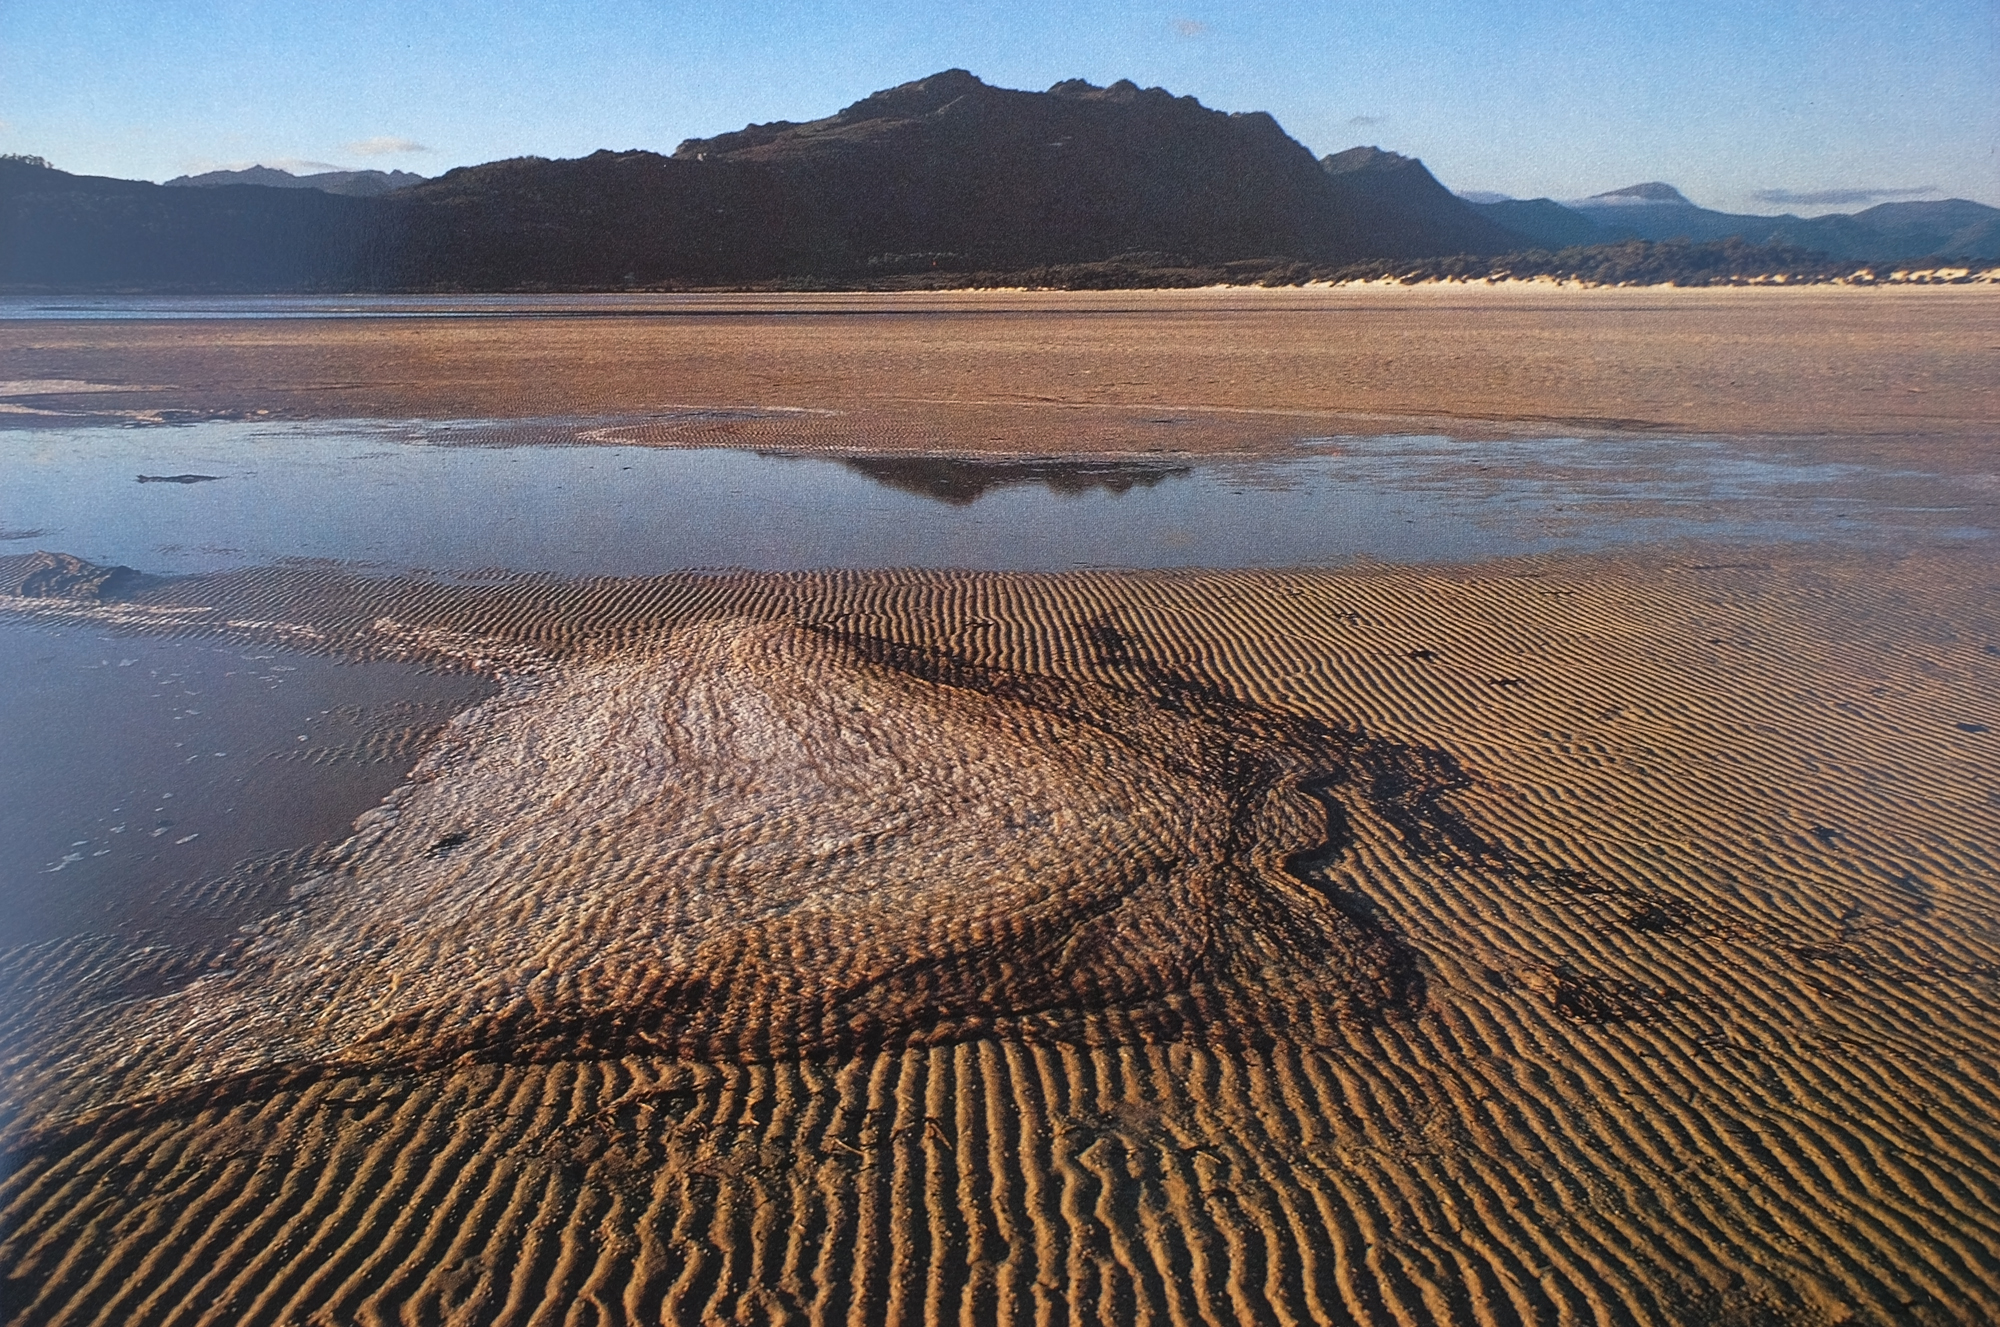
(948,170)
(943,173)
(1394,197)
(354,183)
(942,176)
(85,232)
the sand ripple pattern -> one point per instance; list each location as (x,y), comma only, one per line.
(1698,868)
(755,841)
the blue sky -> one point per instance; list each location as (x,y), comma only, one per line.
(1729,101)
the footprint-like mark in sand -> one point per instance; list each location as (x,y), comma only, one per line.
(758,840)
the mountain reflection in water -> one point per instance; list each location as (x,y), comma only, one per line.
(961,482)
(454,499)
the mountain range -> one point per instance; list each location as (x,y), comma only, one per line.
(354,183)
(945,175)
(1896,232)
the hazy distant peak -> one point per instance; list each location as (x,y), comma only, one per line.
(1366,158)
(1484,196)
(1653,191)
(265,175)
(359,183)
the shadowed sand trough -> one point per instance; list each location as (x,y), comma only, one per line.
(1569,940)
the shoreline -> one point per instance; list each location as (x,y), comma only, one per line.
(1945,274)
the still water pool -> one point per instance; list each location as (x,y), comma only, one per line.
(460,498)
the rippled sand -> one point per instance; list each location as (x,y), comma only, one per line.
(1567,939)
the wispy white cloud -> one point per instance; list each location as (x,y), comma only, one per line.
(383,146)
(1366,121)
(1190,27)
(1829,197)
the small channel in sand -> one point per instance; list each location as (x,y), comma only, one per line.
(472,497)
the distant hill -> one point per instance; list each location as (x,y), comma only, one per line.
(1952,228)
(1543,223)
(1656,211)
(84,232)
(945,172)
(353,183)
(1891,232)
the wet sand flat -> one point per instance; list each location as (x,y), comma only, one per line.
(1607,938)
(1867,373)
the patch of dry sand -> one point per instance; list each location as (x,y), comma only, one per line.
(1694,868)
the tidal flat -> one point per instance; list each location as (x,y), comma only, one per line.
(1311,870)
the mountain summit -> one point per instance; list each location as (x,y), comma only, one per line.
(1653,191)
(949,170)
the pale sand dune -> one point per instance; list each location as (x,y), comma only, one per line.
(1694,870)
